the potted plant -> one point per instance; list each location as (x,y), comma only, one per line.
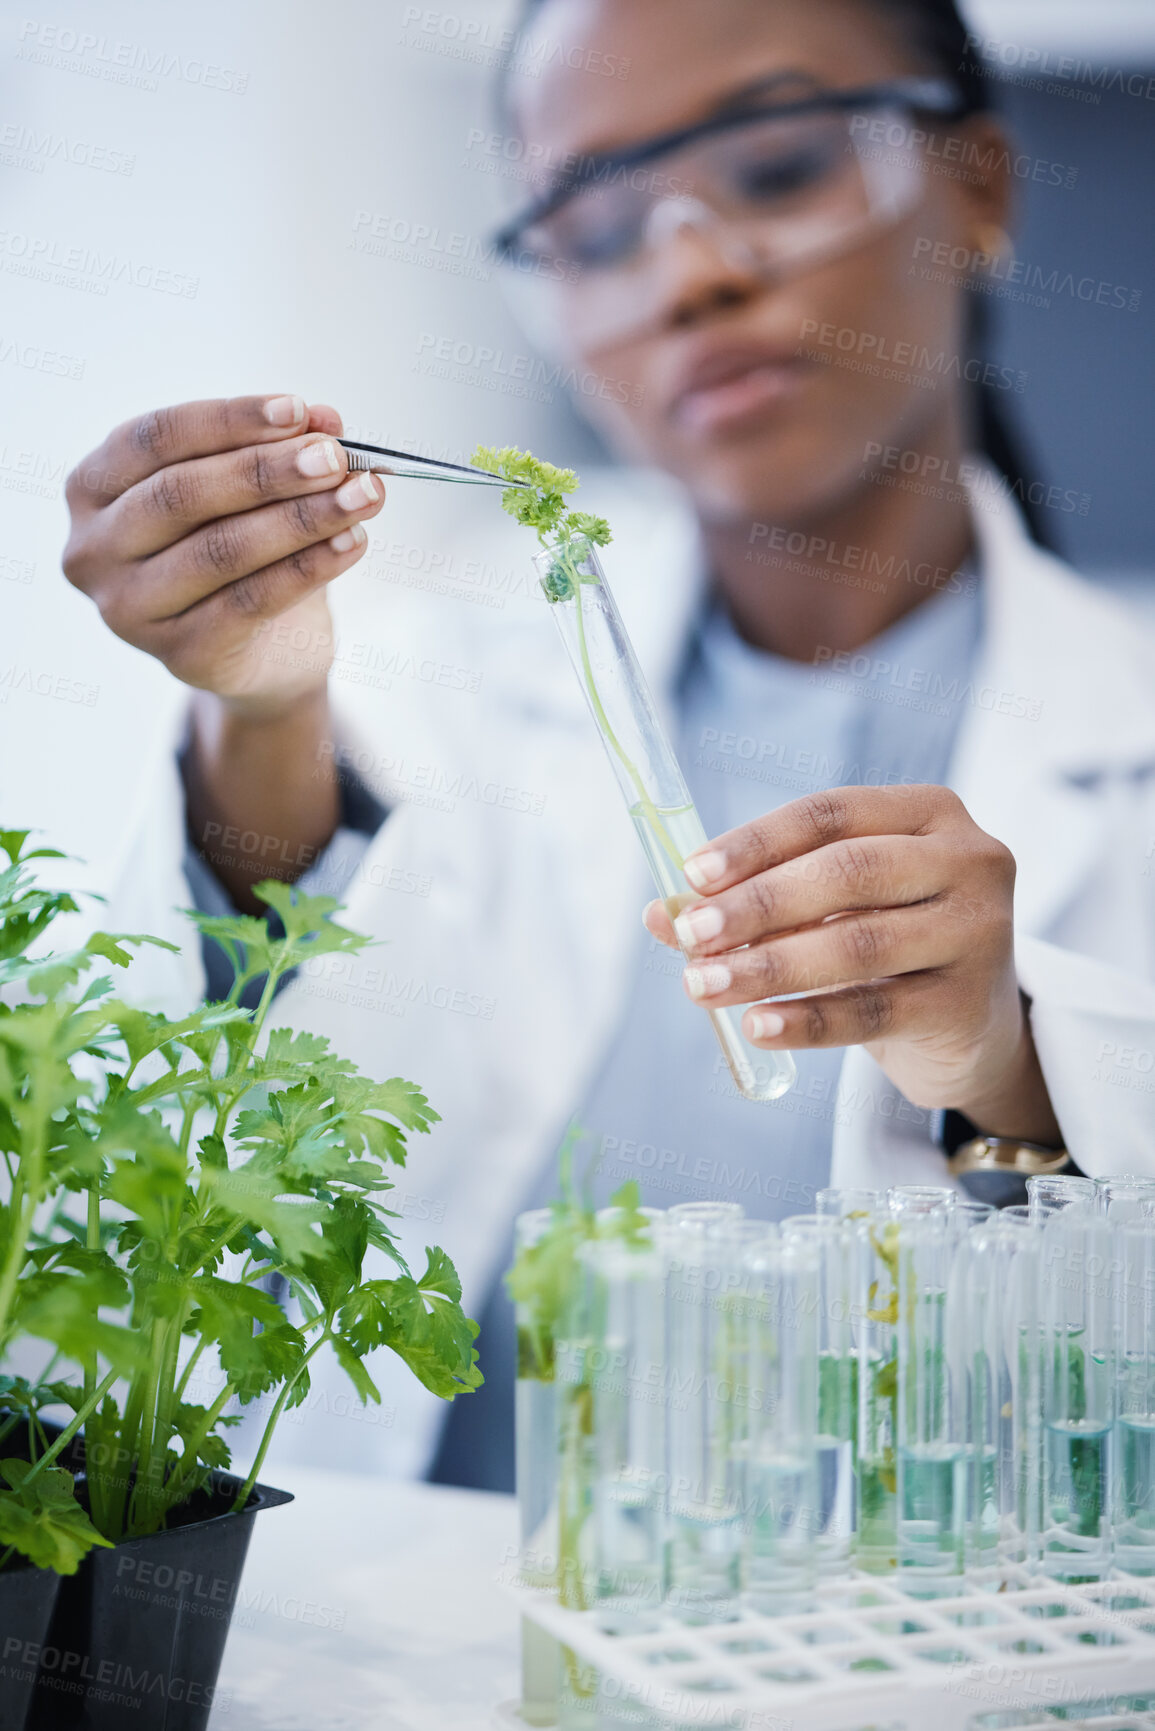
(156,1173)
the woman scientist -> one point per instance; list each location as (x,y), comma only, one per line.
(926,751)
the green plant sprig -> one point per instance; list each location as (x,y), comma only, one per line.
(543,1284)
(568,536)
(204,1154)
(541,1281)
(542,504)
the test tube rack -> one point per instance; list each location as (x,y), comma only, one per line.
(873,1655)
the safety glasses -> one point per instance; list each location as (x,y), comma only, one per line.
(775,187)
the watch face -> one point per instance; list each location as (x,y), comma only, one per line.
(999,1187)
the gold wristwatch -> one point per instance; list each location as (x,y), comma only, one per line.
(1009,1155)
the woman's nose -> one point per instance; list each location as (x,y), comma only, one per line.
(699,266)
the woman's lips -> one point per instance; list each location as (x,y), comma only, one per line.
(743,394)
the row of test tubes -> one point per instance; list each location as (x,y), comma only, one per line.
(905,1382)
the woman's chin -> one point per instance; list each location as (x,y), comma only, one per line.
(752,493)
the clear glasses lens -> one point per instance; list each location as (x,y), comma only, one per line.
(773,196)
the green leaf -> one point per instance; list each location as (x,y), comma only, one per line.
(405,1102)
(146,1031)
(440,1275)
(296,1056)
(244,939)
(64,1309)
(153,1183)
(229,1315)
(542,506)
(356,1372)
(213,1152)
(212,1450)
(255,1199)
(43,1520)
(345,1232)
(421,1321)
(53,974)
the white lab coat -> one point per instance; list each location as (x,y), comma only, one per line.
(498,990)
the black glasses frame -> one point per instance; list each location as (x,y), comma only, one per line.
(939,96)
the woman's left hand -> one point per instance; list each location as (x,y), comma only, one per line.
(892,910)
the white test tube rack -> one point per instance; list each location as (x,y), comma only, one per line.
(870,1656)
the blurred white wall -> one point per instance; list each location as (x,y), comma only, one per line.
(211,200)
(1123,30)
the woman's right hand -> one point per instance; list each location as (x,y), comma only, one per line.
(194,527)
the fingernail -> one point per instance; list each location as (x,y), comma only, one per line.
(348,539)
(698,926)
(317,459)
(284,411)
(648,910)
(766,1025)
(707,982)
(705,869)
(358,491)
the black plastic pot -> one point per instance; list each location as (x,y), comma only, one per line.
(27,1601)
(137,1637)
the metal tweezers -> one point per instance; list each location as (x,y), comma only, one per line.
(380,460)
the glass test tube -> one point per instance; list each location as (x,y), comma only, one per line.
(1046,1196)
(932,1454)
(1078,1297)
(839,1203)
(647,771)
(1135,1437)
(875,1314)
(704,1216)
(920,1198)
(1021,1488)
(535,1404)
(626,1365)
(983,1305)
(703,1421)
(967,1213)
(974,1348)
(1128,1197)
(575,1355)
(779,1453)
(834,1244)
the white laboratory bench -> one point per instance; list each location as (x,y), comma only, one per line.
(372,1605)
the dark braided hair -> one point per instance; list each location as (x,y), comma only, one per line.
(934,30)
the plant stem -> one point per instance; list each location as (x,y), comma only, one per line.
(143,1489)
(175,1490)
(165,1408)
(217,1246)
(25,1197)
(572,1494)
(71,1429)
(129,1433)
(661,834)
(278,1407)
(186,1373)
(93,1240)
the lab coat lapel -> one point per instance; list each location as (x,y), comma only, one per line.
(1039,776)
(1039,749)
